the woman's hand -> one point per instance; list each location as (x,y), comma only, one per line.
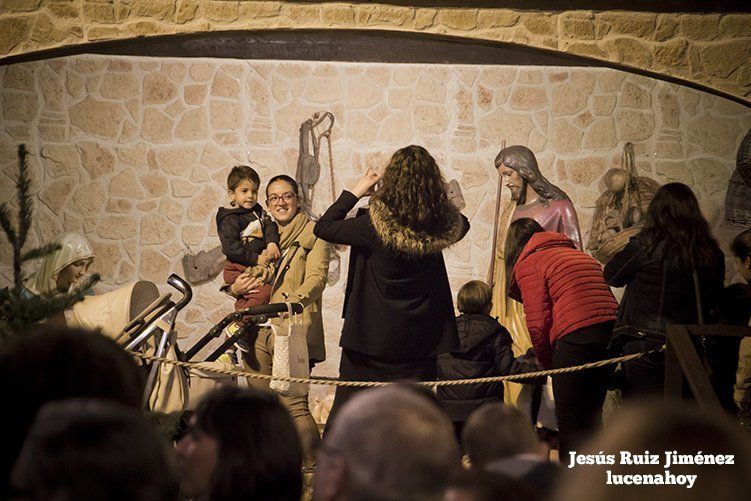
(272,251)
(366,183)
(245,284)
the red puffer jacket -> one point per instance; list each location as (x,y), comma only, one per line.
(562,290)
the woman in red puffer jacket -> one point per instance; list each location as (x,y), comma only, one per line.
(570,312)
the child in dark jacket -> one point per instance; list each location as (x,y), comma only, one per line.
(484,351)
(250,239)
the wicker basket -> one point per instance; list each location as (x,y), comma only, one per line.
(610,248)
(738,201)
(743,159)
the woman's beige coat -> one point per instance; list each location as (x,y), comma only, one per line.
(302,276)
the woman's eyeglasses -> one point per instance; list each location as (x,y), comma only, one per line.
(275,199)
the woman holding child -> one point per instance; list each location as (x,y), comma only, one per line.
(300,278)
(398,310)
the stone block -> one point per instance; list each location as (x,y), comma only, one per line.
(721,59)
(713,135)
(500,125)
(88,65)
(430,118)
(711,174)
(361,129)
(586,49)
(119,206)
(182,188)
(671,54)
(674,172)
(55,194)
(225,85)
(154,266)
(96,158)
(156,126)
(129,132)
(19,77)
(540,24)
(337,15)
(458,19)
(119,85)
(603,105)
(566,137)
(585,171)
(194,125)
(158,88)
(363,93)
(13,30)
(195,94)
(666,26)
(156,229)
(177,160)
(702,27)
(201,72)
(529,98)
(155,184)
(116,227)
(324,90)
(635,24)
(399,98)
(152,10)
(397,127)
(629,51)
(125,184)
(258,93)
(670,110)
(193,234)
(97,118)
(74,84)
(20,107)
(735,25)
(60,160)
(579,26)
(204,205)
(567,100)
(88,199)
(634,125)
(633,96)
(226,115)
(134,155)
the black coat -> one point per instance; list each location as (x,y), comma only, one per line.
(661,292)
(397,303)
(484,351)
(229,225)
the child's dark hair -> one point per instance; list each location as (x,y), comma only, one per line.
(474,297)
(240,173)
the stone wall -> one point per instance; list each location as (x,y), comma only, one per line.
(134,152)
(709,49)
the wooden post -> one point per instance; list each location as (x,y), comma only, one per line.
(498,197)
(698,378)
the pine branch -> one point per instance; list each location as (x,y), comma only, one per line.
(25,206)
(6,224)
(40,251)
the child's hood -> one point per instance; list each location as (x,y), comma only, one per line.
(238,211)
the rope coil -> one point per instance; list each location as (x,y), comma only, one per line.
(204,366)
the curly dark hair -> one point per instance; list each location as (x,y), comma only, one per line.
(675,227)
(414,190)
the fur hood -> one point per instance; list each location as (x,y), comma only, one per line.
(416,243)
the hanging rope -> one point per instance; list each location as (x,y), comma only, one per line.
(207,367)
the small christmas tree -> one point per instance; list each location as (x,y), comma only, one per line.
(20,309)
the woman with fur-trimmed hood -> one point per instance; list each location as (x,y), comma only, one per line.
(398,309)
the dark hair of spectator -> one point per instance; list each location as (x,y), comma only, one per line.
(92,449)
(240,173)
(287,179)
(675,227)
(474,297)
(259,452)
(496,431)
(57,363)
(741,245)
(519,233)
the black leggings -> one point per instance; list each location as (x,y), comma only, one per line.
(579,395)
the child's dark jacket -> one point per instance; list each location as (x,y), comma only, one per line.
(485,350)
(230,223)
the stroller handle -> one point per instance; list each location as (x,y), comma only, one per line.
(271,308)
(181,285)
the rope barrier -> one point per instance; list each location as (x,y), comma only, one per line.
(204,366)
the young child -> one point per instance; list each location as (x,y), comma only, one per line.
(250,239)
(484,351)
